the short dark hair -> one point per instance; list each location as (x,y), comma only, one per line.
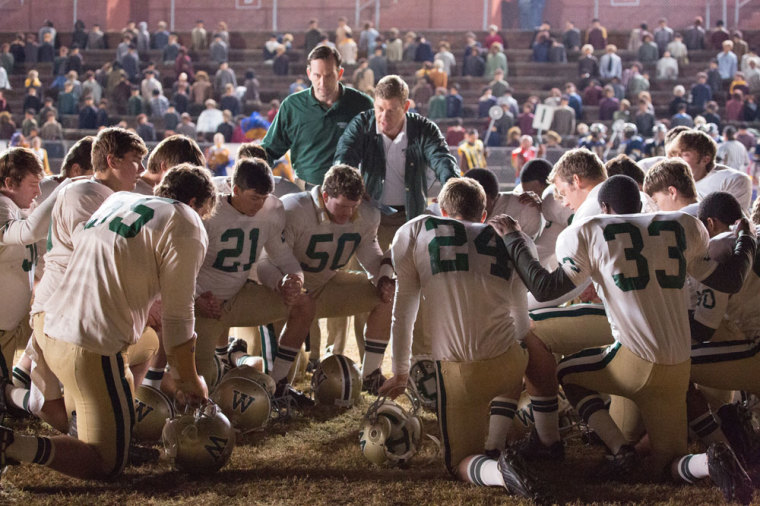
(325,53)
(185,182)
(621,194)
(487,180)
(175,150)
(17,163)
(536,169)
(80,154)
(253,174)
(721,206)
(670,172)
(251,150)
(343,180)
(463,197)
(623,164)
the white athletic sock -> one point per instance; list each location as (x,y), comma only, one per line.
(17,397)
(707,429)
(373,355)
(607,430)
(153,377)
(21,377)
(693,467)
(500,422)
(282,362)
(484,472)
(34,449)
(546,418)
(240,359)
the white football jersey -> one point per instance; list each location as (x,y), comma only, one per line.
(17,264)
(321,246)
(143,188)
(74,205)
(463,272)
(47,186)
(235,241)
(639,264)
(726,179)
(528,217)
(133,249)
(556,218)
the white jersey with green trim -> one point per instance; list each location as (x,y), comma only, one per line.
(529,217)
(136,248)
(47,187)
(17,263)
(639,263)
(235,242)
(74,205)
(322,246)
(463,272)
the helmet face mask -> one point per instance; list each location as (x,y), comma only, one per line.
(337,382)
(390,434)
(422,383)
(199,442)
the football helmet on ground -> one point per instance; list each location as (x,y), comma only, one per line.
(389,433)
(423,384)
(337,382)
(244,402)
(152,409)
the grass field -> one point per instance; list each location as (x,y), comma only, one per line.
(315,459)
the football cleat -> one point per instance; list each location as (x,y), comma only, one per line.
(337,382)
(389,433)
(373,382)
(200,442)
(619,466)
(519,479)
(728,474)
(236,345)
(287,400)
(531,448)
(141,455)
(244,402)
(152,409)
(312,365)
(736,423)
(6,439)
(423,383)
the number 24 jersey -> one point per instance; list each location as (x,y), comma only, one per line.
(640,264)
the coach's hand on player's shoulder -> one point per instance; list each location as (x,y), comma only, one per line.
(394,386)
(530,199)
(290,288)
(386,287)
(504,224)
(208,305)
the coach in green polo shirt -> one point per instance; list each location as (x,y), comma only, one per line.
(310,122)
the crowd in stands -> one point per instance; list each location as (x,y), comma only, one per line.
(612,85)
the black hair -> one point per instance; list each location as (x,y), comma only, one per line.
(487,180)
(537,169)
(621,194)
(721,206)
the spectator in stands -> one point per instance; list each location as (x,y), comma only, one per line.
(40,153)
(436,108)
(727,62)
(96,38)
(750,111)
(454,102)
(734,106)
(145,128)
(378,64)
(274,107)
(608,105)
(596,35)
(738,83)
(424,51)
(222,31)
(135,104)
(678,49)
(644,119)
(183,63)
(554,98)
(637,82)
(667,67)
(711,113)
(681,117)
(363,78)
(610,64)
(209,119)
(493,37)
(541,47)
(714,79)
(472,153)
(298,85)
(7,126)
(251,87)
(159,104)
(753,76)
(186,126)
(32,101)
(227,126)
(281,63)
(719,35)
(588,65)
(7,60)
(496,59)
(72,77)
(51,130)
(198,37)
(46,51)
(455,133)
(340,31)
(218,50)
(67,101)
(679,98)
(571,37)
(525,119)
(149,85)
(18,49)
(218,156)
(731,152)
(160,38)
(313,36)
(88,115)
(694,35)
(230,101)
(394,47)
(103,119)
(522,154)
(171,119)
(557,52)
(170,51)
(635,38)
(367,39)
(91,87)
(648,52)
(28,122)
(444,55)
(474,65)
(436,75)
(576,102)
(593,93)
(142,41)
(422,92)
(4,107)
(224,76)
(563,122)
(410,46)
(123,48)
(746,137)
(348,49)
(131,64)
(663,35)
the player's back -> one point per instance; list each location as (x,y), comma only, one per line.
(468,284)
(640,263)
(121,262)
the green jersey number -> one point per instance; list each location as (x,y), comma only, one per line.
(117,225)
(30,262)
(641,280)
(323,257)
(486,243)
(238,236)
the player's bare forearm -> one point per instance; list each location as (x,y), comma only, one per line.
(181,360)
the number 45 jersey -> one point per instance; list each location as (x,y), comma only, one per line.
(466,277)
(640,264)
(131,250)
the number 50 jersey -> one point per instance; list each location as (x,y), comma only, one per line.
(466,277)
(640,264)
(131,250)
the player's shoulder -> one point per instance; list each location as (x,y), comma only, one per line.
(369,213)
(295,201)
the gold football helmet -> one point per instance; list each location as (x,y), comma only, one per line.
(337,382)
(244,401)
(265,381)
(152,409)
(389,433)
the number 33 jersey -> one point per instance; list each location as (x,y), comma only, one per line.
(465,275)
(640,264)
(131,250)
